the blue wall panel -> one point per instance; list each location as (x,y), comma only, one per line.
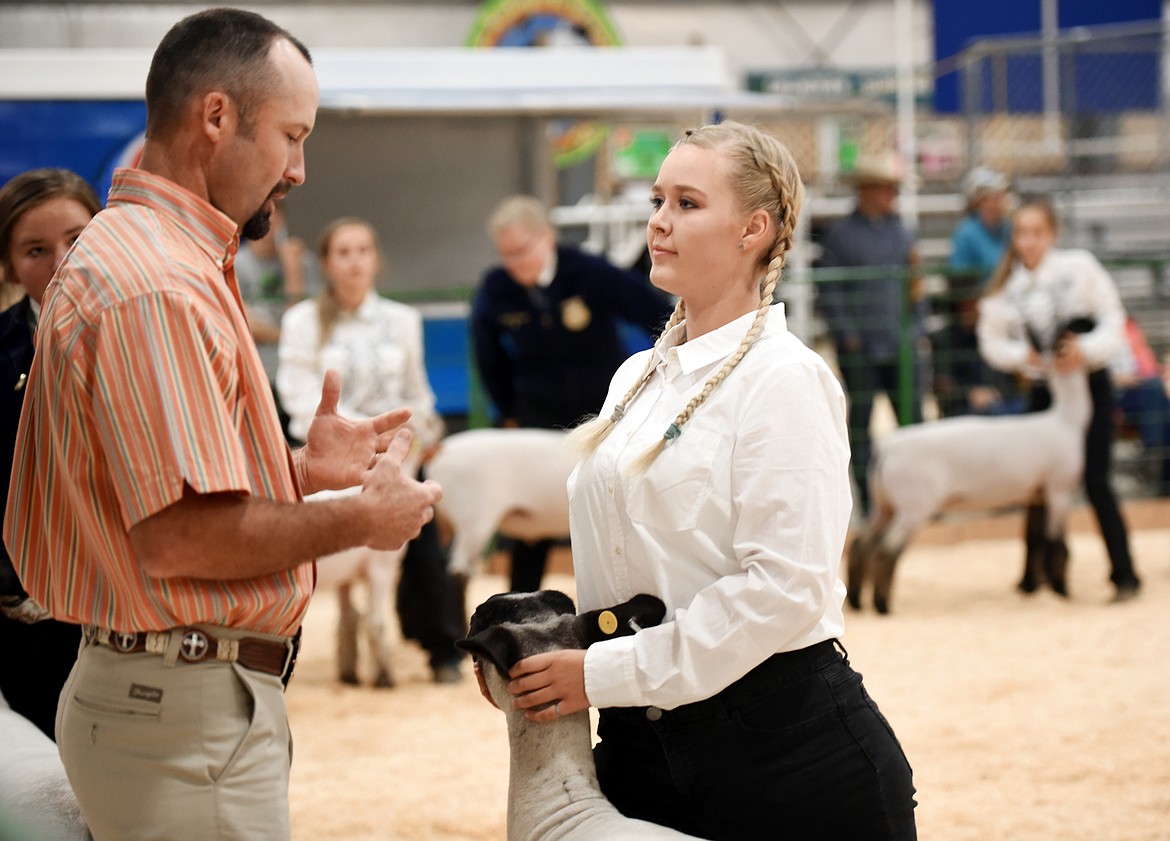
(1103,84)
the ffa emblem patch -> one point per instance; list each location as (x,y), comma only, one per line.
(575,314)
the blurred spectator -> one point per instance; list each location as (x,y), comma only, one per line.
(980,238)
(1142,399)
(377,346)
(273,272)
(963,382)
(546,328)
(870,313)
(41,213)
(1063,301)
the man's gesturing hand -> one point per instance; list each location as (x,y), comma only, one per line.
(399,505)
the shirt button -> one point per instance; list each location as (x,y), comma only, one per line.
(617,550)
(653,713)
(609,488)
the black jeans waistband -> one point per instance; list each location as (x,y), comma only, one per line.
(778,670)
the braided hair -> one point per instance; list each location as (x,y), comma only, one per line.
(764,176)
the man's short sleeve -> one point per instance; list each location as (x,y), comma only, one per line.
(165,394)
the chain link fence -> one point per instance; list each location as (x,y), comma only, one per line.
(1080,117)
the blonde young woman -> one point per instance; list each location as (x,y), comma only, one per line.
(1062,299)
(717,478)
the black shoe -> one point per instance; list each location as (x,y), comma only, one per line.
(1125,593)
(447,673)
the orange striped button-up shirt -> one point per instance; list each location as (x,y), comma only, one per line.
(145,380)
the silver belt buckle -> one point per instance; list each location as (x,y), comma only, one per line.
(124,642)
(195,646)
(293,647)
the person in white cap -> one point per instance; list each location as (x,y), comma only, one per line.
(867,307)
(980,238)
(963,382)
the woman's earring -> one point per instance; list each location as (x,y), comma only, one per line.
(741,246)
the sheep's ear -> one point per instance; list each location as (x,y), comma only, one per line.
(496,644)
(642,611)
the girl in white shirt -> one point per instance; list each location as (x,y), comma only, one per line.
(1062,299)
(375,343)
(716,478)
(377,346)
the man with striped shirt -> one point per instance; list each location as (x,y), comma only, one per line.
(154,500)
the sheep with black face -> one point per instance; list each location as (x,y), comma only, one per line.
(552,787)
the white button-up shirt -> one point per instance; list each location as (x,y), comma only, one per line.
(738,525)
(1066,284)
(378,350)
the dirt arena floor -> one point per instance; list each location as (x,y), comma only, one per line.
(1025,718)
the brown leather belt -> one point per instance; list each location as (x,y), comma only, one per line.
(272,657)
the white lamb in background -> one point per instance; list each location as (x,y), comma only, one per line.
(510,481)
(378,570)
(553,793)
(36,801)
(974,463)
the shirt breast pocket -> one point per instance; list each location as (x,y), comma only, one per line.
(391,361)
(675,488)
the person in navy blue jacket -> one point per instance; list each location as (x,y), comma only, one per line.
(547,334)
(41,213)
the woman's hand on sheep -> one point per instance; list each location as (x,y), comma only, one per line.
(339,451)
(1068,354)
(550,685)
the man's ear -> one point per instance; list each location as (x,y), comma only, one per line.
(496,644)
(621,620)
(217,113)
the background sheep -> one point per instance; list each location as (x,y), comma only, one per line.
(552,786)
(375,569)
(974,463)
(510,481)
(36,801)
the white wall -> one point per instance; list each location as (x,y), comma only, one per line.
(755,35)
(427,184)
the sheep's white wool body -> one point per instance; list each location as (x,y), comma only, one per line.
(510,481)
(553,793)
(36,800)
(971,463)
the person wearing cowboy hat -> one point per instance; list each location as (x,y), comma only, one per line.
(963,382)
(865,304)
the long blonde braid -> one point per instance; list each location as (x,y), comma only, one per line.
(588,435)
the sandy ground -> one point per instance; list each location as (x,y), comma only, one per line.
(1025,718)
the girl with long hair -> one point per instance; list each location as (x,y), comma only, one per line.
(716,477)
(1043,298)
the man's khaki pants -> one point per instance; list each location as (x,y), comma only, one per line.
(160,749)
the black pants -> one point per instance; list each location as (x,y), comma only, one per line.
(429,600)
(1098,473)
(864,378)
(35,660)
(528,564)
(796,749)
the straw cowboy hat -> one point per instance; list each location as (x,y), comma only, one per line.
(884,167)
